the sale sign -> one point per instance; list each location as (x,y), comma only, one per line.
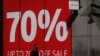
(37,28)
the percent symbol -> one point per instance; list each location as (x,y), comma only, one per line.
(53,25)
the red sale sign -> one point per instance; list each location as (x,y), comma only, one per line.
(37,25)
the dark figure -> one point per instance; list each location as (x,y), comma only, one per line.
(92,52)
(35,51)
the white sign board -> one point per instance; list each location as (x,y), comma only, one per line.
(74,5)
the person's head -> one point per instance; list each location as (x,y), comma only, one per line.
(35,46)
